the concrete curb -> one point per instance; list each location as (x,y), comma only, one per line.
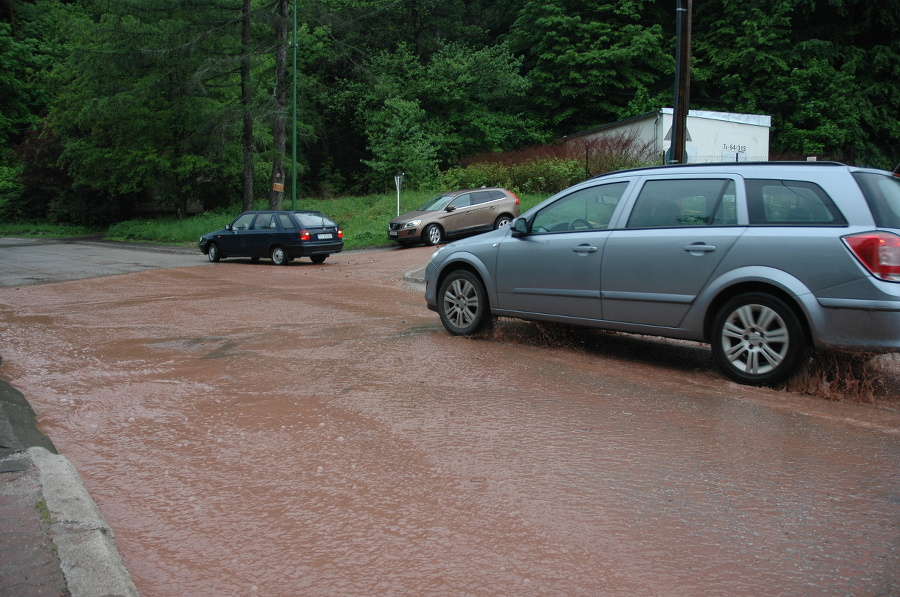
(88,556)
(416,276)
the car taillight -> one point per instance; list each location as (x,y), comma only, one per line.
(304,235)
(516,196)
(340,233)
(879,252)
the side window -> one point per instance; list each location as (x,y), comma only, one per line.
(264,222)
(286,222)
(480,197)
(585,209)
(681,203)
(461,201)
(790,203)
(243,222)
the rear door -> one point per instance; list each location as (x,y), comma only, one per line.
(485,206)
(678,231)
(261,235)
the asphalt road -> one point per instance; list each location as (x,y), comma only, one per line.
(252,429)
(40,261)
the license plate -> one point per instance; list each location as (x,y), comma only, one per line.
(392,233)
(320,236)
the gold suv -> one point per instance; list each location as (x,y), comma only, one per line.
(455,214)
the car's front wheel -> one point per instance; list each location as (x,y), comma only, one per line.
(212,252)
(432,235)
(463,305)
(279,257)
(757,339)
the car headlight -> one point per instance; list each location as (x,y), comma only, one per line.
(412,223)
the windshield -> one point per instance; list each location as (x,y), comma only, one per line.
(439,202)
(882,191)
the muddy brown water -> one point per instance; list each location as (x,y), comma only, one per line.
(312,430)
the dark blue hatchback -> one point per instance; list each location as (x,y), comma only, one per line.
(279,235)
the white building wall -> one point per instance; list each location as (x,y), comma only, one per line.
(712,136)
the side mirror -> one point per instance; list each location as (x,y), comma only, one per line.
(229,228)
(520,227)
(450,208)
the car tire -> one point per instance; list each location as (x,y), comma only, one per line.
(433,235)
(463,304)
(279,257)
(318,258)
(502,221)
(212,253)
(757,339)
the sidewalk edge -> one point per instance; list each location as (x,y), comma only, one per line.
(88,557)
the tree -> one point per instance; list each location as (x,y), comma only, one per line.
(828,73)
(459,102)
(246,107)
(146,101)
(279,117)
(592,63)
(399,143)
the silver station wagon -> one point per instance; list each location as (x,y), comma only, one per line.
(762,261)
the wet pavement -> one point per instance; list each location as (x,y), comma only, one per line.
(251,429)
(53,539)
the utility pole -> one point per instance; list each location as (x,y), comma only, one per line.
(294,117)
(683,13)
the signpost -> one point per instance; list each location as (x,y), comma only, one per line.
(398,180)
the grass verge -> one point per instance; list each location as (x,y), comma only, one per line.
(364,219)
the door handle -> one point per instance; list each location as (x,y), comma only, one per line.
(584,249)
(700,247)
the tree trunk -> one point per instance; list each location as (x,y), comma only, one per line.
(277,187)
(245,106)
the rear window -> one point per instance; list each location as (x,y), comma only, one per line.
(687,202)
(264,222)
(313,220)
(882,191)
(790,203)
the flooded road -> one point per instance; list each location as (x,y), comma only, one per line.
(249,429)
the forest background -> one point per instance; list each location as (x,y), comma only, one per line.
(110,106)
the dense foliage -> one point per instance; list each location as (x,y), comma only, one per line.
(110,105)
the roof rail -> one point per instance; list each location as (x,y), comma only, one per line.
(714,164)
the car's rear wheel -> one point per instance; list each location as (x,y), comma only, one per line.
(318,258)
(463,305)
(757,339)
(279,257)
(502,221)
(433,235)
(212,252)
